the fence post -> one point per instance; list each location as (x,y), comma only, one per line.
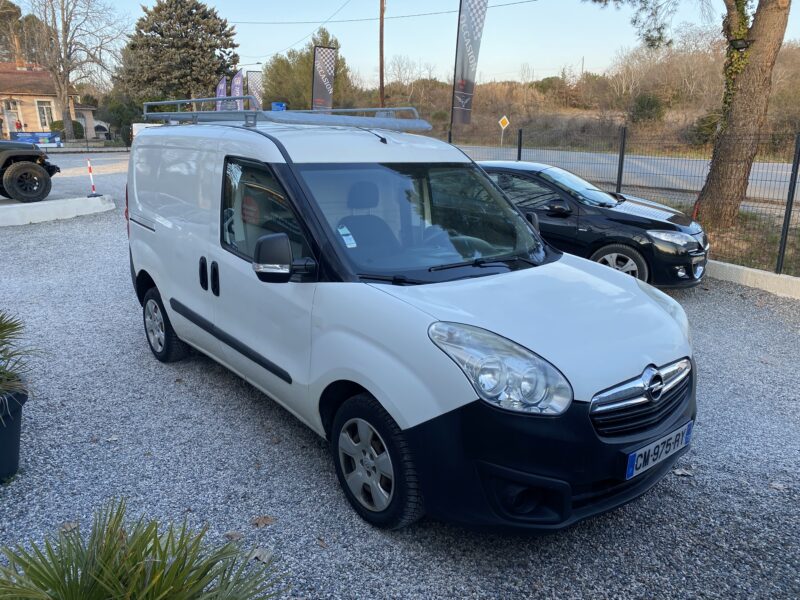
(449,136)
(519,145)
(787,217)
(623,136)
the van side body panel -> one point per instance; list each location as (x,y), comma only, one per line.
(359,335)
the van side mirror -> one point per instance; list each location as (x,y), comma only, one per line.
(533,219)
(272,261)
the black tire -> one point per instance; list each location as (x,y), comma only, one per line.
(27,182)
(642,270)
(166,347)
(405,505)
(3,191)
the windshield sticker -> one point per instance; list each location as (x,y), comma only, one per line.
(347,237)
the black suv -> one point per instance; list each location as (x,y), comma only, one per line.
(24,172)
(645,239)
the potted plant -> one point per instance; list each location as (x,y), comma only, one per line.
(13,392)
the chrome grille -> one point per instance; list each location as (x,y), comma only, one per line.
(644,402)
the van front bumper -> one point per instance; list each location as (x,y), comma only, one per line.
(486,467)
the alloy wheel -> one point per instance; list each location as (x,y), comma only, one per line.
(28,182)
(154,325)
(620,262)
(366,465)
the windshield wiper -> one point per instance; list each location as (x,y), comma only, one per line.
(393,279)
(485,262)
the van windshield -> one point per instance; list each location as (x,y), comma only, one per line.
(415,220)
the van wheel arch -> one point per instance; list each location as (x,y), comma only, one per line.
(332,398)
(143,284)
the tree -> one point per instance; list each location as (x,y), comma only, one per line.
(179,49)
(754,30)
(287,78)
(72,39)
(16,33)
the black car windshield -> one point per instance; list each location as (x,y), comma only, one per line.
(417,220)
(578,188)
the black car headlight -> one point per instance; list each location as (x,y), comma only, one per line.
(502,372)
(682,240)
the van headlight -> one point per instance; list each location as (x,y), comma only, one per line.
(503,373)
(672,307)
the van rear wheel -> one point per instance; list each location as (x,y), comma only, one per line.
(374,464)
(161,337)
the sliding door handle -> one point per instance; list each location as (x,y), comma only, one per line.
(215,278)
(203,273)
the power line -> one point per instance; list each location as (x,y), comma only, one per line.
(361,20)
(305,37)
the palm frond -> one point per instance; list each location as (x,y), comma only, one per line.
(133,561)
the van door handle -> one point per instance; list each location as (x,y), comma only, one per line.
(215,278)
(203,273)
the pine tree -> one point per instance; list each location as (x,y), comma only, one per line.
(179,49)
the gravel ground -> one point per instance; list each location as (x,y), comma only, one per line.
(191,440)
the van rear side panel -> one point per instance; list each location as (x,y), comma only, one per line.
(175,181)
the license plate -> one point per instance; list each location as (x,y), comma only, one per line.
(658,451)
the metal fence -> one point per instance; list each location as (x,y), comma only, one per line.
(767,232)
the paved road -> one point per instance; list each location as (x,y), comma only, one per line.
(190,440)
(767,180)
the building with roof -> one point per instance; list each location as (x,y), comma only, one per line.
(28,96)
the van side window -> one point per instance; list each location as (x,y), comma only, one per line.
(254,205)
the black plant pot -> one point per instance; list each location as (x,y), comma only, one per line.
(10,429)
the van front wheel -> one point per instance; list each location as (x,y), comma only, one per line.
(374,464)
(161,337)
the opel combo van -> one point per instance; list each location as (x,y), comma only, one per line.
(380,287)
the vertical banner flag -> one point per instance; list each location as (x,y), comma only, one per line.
(471,16)
(255,87)
(222,91)
(237,88)
(322,86)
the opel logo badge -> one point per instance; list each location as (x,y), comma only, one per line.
(653,384)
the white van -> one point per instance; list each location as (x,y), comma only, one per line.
(383,290)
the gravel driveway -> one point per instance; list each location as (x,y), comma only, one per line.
(190,440)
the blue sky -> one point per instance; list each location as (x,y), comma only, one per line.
(546,34)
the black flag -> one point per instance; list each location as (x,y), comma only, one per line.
(471,16)
(324,69)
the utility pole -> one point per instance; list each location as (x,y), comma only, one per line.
(380,57)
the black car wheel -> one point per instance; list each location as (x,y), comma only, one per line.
(27,182)
(622,258)
(374,464)
(3,192)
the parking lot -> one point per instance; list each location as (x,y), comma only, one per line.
(191,440)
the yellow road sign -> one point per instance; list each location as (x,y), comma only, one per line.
(504,122)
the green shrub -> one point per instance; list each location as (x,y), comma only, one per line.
(703,130)
(13,359)
(647,107)
(77,129)
(136,562)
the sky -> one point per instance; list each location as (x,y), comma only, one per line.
(548,35)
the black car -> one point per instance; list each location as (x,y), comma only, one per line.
(645,239)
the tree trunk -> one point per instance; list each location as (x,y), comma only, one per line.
(66,118)
(748,82)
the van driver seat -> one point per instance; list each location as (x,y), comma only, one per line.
(372,235)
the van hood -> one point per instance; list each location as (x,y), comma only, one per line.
(596,325)
(656,213)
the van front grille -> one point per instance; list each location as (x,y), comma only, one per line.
(643,403)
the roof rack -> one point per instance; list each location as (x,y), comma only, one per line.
(404,118)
